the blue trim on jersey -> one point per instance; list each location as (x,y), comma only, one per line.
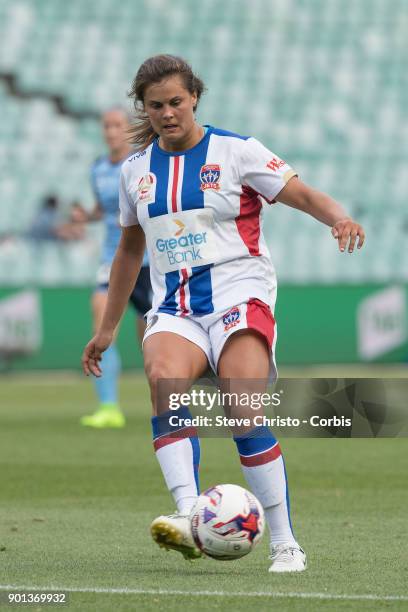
(156,148)
(192,197)
(219,132)
(201,290)
(255,441)
(169,304)
(160,167)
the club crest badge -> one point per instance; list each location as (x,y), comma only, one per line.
(146,188)
(210,177)
(231,318)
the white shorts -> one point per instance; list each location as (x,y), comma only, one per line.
(210,332)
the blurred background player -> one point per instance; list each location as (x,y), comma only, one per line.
(49,223)
(105,174)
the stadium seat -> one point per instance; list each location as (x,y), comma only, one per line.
(289,73)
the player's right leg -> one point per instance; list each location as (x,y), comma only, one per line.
(172,363)
(108,413)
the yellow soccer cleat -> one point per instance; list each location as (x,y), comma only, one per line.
(104,418)
(173,532)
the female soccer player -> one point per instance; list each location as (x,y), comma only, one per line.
(194,192)
(105,173)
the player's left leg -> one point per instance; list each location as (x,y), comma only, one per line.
(245,361)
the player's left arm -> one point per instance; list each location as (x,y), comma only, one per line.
(323,208)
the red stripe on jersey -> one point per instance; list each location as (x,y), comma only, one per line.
(248,224)
(174,436)
(261,458)
(175,184)
(184,310)
(260,318)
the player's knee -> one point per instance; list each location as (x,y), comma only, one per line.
(159,371)
(164,379)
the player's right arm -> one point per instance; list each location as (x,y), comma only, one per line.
(124,272)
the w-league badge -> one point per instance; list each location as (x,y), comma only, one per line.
(146,188)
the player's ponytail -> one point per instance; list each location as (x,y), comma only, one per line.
(153,70)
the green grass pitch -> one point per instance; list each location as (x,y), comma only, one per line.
(76,504)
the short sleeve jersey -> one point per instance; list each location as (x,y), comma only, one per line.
(200,210)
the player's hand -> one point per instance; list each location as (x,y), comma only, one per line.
(78,214)
(92,355)
(347,230)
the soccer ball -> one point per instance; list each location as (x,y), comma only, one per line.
(227,522)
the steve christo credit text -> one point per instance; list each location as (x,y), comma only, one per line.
(254,401)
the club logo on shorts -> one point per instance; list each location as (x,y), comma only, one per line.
(152,322)
(231,318)
(210,177)
(146,188)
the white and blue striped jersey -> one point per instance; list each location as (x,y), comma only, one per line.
(200,210)
(105,185)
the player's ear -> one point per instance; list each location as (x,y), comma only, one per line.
(194,100)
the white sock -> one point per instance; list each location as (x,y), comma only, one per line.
(264,470)
(176,462)
(184,499)
(279,528)
(268,483)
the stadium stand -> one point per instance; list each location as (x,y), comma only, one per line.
(287,72)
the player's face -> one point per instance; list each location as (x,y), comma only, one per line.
(114,126)
(169,106)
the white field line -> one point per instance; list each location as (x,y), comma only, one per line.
(272,594)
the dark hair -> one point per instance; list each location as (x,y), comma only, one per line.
(50,202)
(153,70)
